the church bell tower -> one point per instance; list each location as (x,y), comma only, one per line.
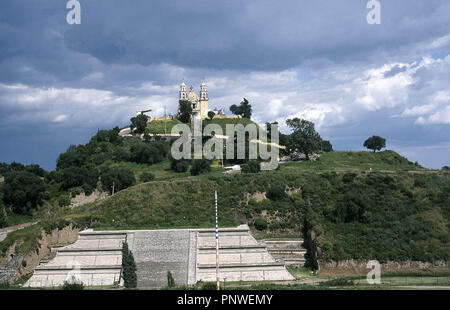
(203,100)
(183,93)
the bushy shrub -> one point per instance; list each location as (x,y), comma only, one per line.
(337,282)
(252,166)
(348,177)
(64,200)
(179,165)
(147,177)
(73,284)
(119,176)
(200,166)
(276,193)
(148,153)
(208,286)
(260,224)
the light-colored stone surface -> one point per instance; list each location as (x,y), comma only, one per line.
(189,254)
(158,251)
(289,251)
(241,257)
(95,259)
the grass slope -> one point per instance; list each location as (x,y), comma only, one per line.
(157,126)
(378,215)
(396,214)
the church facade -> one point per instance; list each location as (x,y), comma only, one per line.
(199,103)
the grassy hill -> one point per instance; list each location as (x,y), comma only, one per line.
(157,126)
(359,204)
(377,215)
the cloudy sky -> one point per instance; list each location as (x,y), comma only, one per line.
(319,60)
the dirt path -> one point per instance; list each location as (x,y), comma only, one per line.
(5,231)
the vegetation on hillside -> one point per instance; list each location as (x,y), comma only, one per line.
(353,215)
(375,143)
(347,205)
(244,109)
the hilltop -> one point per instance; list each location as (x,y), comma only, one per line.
(157,126)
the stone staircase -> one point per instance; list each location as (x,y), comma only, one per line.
(289,251)
(95,259)
(158,251)
(189,254)
(241,257)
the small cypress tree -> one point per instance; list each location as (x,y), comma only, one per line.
(170,280)
(128,267)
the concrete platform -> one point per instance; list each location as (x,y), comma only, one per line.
(95,259)
(241,257)
(189,254)
(287,250)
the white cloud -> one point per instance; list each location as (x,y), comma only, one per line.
(60,118)
(333,96)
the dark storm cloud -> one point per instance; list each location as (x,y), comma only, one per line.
(239,35)
(315,59)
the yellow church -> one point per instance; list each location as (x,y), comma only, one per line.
(199,104)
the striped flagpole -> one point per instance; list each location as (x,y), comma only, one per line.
(217,244)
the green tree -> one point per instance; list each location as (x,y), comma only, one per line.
(138,123)
(147,176)
(244,109)
(74,156)
(375,143)
(77,177)
(200,166)
(170,280)
(184,114)
(121,177)
(128,267)
(23,191)
(285,140)
(304,138)
(211,115)
(326,146)
(111,136)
